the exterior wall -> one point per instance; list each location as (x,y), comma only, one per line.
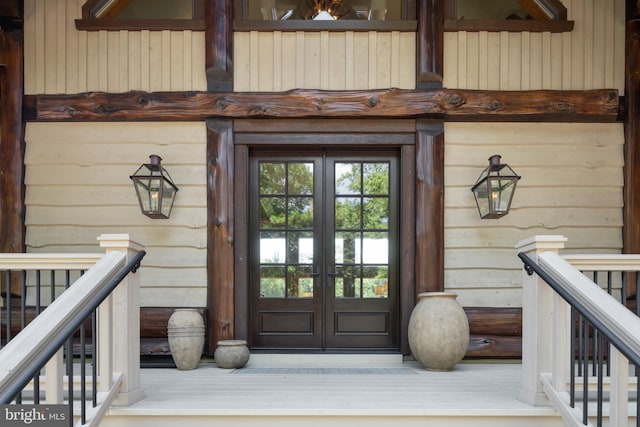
(591,56)
(77,174)
(571,185)
(60,59)
(571,173)
(78,187)
(276,61)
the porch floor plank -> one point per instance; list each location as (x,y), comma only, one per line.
(471,393)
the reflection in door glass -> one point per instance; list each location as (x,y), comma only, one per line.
(361,236)
(286,230)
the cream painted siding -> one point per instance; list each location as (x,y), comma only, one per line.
(589,57)
(277,61)
(571,185)
(60,59)
(78,187)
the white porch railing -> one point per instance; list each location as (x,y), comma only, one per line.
(548,329)
(118,327)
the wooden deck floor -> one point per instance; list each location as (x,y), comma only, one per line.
(290,390)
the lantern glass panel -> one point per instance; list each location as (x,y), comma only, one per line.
(501,193)
(168,196)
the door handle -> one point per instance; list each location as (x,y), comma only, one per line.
(332,275)
(315,276)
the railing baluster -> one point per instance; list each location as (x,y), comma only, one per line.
(70,377)
(94,355)
(599,358)
(572,369)
(38,310)
(585,375)
(53,285)
(83,376)
(8,304)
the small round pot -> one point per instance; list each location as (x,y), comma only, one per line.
(231,354)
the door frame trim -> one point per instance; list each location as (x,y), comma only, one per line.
(422,172)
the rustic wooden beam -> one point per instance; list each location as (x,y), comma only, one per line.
(429,257)
(12,147)
(218,35)
(631,210)
(447,104)
(220,237)
(430,44)
(496,332)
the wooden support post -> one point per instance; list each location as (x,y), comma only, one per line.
(125,322)
(12,148)
(220,240)
(430,44)
(537,322)
(12,207)
(429,207)
(219,45)
(631,170)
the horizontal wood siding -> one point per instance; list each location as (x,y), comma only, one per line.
(276,61)
(61,59)
(78,187)
(571,185)
(591,56)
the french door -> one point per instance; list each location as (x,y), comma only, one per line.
(324,250)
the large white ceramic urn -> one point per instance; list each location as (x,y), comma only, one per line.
(438,331)
(185,331)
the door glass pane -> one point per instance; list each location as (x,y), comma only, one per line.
(348,179)
(375,248)
(376,178)
(299,282)
(272,247)
(272,282)
(272,178)
(348,213)
(375,282)
(300,177)
(347,282)
(272,212)
(361,235)
(300,212)
(347,248)
(376,212)
(286,230)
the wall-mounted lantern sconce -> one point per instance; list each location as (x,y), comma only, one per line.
(494,189)
(155,189)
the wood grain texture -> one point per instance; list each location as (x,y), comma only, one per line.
(449,104)
(12,146)
(220,235)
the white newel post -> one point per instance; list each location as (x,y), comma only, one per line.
(537,321)
(125,320)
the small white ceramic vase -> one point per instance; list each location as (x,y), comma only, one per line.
(438,331)
(185,331)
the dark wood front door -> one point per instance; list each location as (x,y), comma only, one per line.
(324,251)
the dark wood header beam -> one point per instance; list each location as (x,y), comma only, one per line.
(447,104)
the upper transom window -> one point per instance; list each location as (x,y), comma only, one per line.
(281,10)
(506,15)
(142,14)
